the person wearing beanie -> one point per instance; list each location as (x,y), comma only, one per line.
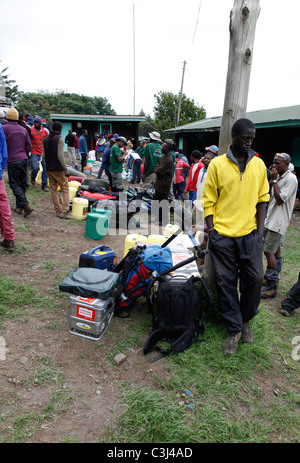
(38,133)
(18,148)
(6,223)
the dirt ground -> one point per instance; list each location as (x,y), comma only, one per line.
(47,249)
(83,382)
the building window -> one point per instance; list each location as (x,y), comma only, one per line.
(105,128)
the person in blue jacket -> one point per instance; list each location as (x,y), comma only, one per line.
(83,149)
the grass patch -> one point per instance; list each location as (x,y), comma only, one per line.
(251,397)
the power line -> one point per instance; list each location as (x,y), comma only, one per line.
(196,26)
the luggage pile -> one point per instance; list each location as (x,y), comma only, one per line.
(90,286)
(165,273)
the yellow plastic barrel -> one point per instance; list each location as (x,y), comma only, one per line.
(157,239)
(79,208)
(131,240)
(170,229)
(72,192)
(74,184)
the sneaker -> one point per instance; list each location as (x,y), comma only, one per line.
(231,343)
(8,245)
(247,335)
(45,188)
(268,293)
(32,182)
(27,210)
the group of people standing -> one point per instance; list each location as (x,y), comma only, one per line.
(156,163)
(246,212)
(23,144)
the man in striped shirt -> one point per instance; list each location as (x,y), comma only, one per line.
(38,133)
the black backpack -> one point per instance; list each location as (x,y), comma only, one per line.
(181,305)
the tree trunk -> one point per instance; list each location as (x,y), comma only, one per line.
(243,19)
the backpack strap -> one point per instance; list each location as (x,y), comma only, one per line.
(198,279)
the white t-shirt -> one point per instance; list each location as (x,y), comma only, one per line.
(279,215)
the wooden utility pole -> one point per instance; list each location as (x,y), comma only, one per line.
(180,95)
(243,19)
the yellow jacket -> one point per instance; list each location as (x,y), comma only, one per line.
(231,196)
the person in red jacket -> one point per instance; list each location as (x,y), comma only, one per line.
(191,187)
(178,179)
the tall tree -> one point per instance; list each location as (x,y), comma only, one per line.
(146,126)
(8,87)
(166,109)
(60,102)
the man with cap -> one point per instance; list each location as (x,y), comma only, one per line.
(18,149)
(6,223)
(152,154)
(213,149)
(284,186)
(38,133)
(116,164)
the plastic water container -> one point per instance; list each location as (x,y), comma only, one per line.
(72,193)
(92,155)
(97,224)
(157,239)
(79,208)
(74,184)
(38,178)
(170,229)
(131,241)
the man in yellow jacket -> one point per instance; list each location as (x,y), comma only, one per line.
(235,195)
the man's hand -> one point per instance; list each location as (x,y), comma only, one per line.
(273,174)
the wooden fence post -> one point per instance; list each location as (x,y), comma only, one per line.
(243,19)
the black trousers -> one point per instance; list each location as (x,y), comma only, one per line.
(237,260)
(292,302)
(160,217)
(17,176)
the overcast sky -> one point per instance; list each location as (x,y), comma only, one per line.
(87,47)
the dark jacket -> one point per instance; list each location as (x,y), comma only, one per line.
(164,174)
(50,145)
(70,140)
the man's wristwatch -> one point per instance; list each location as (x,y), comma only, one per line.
(274,181)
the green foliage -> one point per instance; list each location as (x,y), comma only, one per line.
(61,102)
(8,87)
(166,110)
(146,126)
